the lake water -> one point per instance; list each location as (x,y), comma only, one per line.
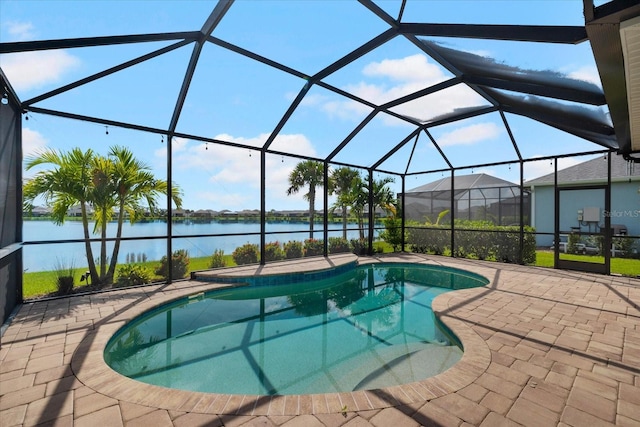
(44,257)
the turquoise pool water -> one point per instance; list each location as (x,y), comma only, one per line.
(367,328)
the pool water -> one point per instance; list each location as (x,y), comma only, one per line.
(367,328)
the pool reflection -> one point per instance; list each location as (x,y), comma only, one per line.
(373,327)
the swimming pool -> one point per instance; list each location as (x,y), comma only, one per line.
(366,328)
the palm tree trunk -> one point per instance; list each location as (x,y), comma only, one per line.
(344,222)
(87,244)
(312,209)
(103,248)
(116,246)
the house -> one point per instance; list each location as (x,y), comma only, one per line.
(582,204)
(39,211)
(180,213)
(76,211)
(204,213)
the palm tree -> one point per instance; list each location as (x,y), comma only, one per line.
(131,182)
(115,181)
(103,204)
(358,198)
(66,185)
(383,198)
(307,173)
(341,184)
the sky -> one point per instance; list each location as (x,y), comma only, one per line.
(235,99)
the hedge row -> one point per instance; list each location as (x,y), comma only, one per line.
(249,253)
(476,239)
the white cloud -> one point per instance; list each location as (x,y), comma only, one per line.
(32,70)
(179,144)
(332,106)
(309,100)
(469,135)
(20,31)
(588,74)
(345,110)
(294,144)
(234,173)
(391,79)
(414,68)
(32,142)
(257,141)
(403,76)
(441,103)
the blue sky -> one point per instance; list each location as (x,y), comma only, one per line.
(238,100)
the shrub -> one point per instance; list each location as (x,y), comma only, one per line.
(338,245)
(64,285)
(132,275)
(572,243)
(360,246)
(435,240)
(273,252)
(507,246)
(246,254)
(529,246)
(217,259)
(313,247)
(419,249)
(179,265)
(624,245)
(64,277)
(392,233)
(475,239)
(293,249)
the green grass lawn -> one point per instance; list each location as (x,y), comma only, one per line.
(44,282)
(624,266)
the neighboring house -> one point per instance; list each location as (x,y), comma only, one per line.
(477,197)
(39,211)
(293,214)
(249,213)
(179,213)
(76,211)
(204,213)
(583,210)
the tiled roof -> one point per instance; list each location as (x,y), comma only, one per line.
(591,170)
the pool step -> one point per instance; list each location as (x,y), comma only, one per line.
(301,270)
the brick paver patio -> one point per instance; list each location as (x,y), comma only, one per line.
(542,347)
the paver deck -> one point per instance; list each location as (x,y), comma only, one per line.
(542,347)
